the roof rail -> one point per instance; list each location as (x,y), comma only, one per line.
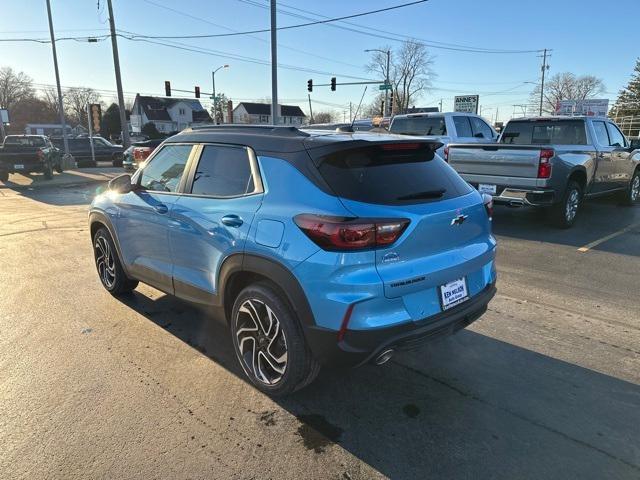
(253,129)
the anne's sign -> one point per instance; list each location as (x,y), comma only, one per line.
(466,103)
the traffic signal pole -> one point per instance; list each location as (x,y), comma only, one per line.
(116,65)
(274,65)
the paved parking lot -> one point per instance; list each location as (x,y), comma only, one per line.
(545,385)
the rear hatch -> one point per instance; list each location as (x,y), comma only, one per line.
(448,235)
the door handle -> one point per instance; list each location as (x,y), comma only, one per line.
(231,220)
(161,208)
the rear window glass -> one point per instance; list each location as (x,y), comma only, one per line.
(391,177)
(556,132)
(25,141)
(419,126)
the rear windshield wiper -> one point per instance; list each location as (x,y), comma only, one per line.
(427,194)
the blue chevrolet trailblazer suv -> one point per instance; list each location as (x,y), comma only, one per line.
(322,248)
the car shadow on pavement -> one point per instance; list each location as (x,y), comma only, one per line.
(468,406)
(597,219)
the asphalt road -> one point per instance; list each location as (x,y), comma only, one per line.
(545,385)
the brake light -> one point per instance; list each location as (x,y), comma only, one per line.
(400,146)
(488,204)
(345,322)
(446,153)
(348,234)
(544,164)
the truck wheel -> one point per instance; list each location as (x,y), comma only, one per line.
(59,168)
(632,192)
(48,171)
(4,176)
(116,160)
(564,213)
(269,342)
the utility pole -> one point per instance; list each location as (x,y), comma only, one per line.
(310,109)
(386,91)
(545,67)
(440,105)
(67,162)
(116,65)
(350,115)
(274,65)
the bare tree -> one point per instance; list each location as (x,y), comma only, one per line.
(50,97)
(14,87)
(324,117)
(410,72)
(567,86)
(76,100)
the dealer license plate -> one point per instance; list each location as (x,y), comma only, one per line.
(454,293)
(486,188)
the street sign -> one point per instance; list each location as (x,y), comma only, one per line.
(466,103)
(591,107)
(4,115)
(384,86)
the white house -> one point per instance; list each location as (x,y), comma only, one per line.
(168,114)
(260,113)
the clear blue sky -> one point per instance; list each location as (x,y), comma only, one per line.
(587,37)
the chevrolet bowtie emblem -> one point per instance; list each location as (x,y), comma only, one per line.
(459,220)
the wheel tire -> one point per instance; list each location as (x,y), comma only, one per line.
(565,212)
(632,192)
(117,161)
(299,367)
(48,171)
(110,270)
(4,176)
(59,168)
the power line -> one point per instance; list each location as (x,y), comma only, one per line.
(288,27)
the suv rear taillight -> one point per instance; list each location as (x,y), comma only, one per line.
(488,204)
(347,234)
(446,153)
(141,153)
(544,164)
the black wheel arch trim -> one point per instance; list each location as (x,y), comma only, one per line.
(276,272)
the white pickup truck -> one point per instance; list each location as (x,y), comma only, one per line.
(446,128)
(553,162)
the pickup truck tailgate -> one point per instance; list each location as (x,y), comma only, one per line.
(495,160)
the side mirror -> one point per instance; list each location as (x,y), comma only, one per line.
(635,144)
(479,135)
(121,184)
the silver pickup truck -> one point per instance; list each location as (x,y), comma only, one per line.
(553,162)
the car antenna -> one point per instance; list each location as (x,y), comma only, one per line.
(353,120)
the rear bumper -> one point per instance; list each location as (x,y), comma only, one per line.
(26,168)
(361,346)
(539,197)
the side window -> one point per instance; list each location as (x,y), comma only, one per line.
(164,171)
(223,171)
(601,133)
(479,126)
(463,129)
(617,139)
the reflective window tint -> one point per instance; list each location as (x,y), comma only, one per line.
(463,129)
(165,170)
(223,171)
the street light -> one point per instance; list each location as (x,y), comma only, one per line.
(386,81)
(215,100)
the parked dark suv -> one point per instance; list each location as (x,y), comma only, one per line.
(80,148)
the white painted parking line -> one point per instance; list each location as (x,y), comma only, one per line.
(595,243)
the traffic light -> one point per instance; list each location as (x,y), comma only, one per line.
(333,84)
(197,92)
(167,88)
(95,117)
(391,103)
(310,85)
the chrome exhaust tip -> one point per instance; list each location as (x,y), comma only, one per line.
(384,357)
